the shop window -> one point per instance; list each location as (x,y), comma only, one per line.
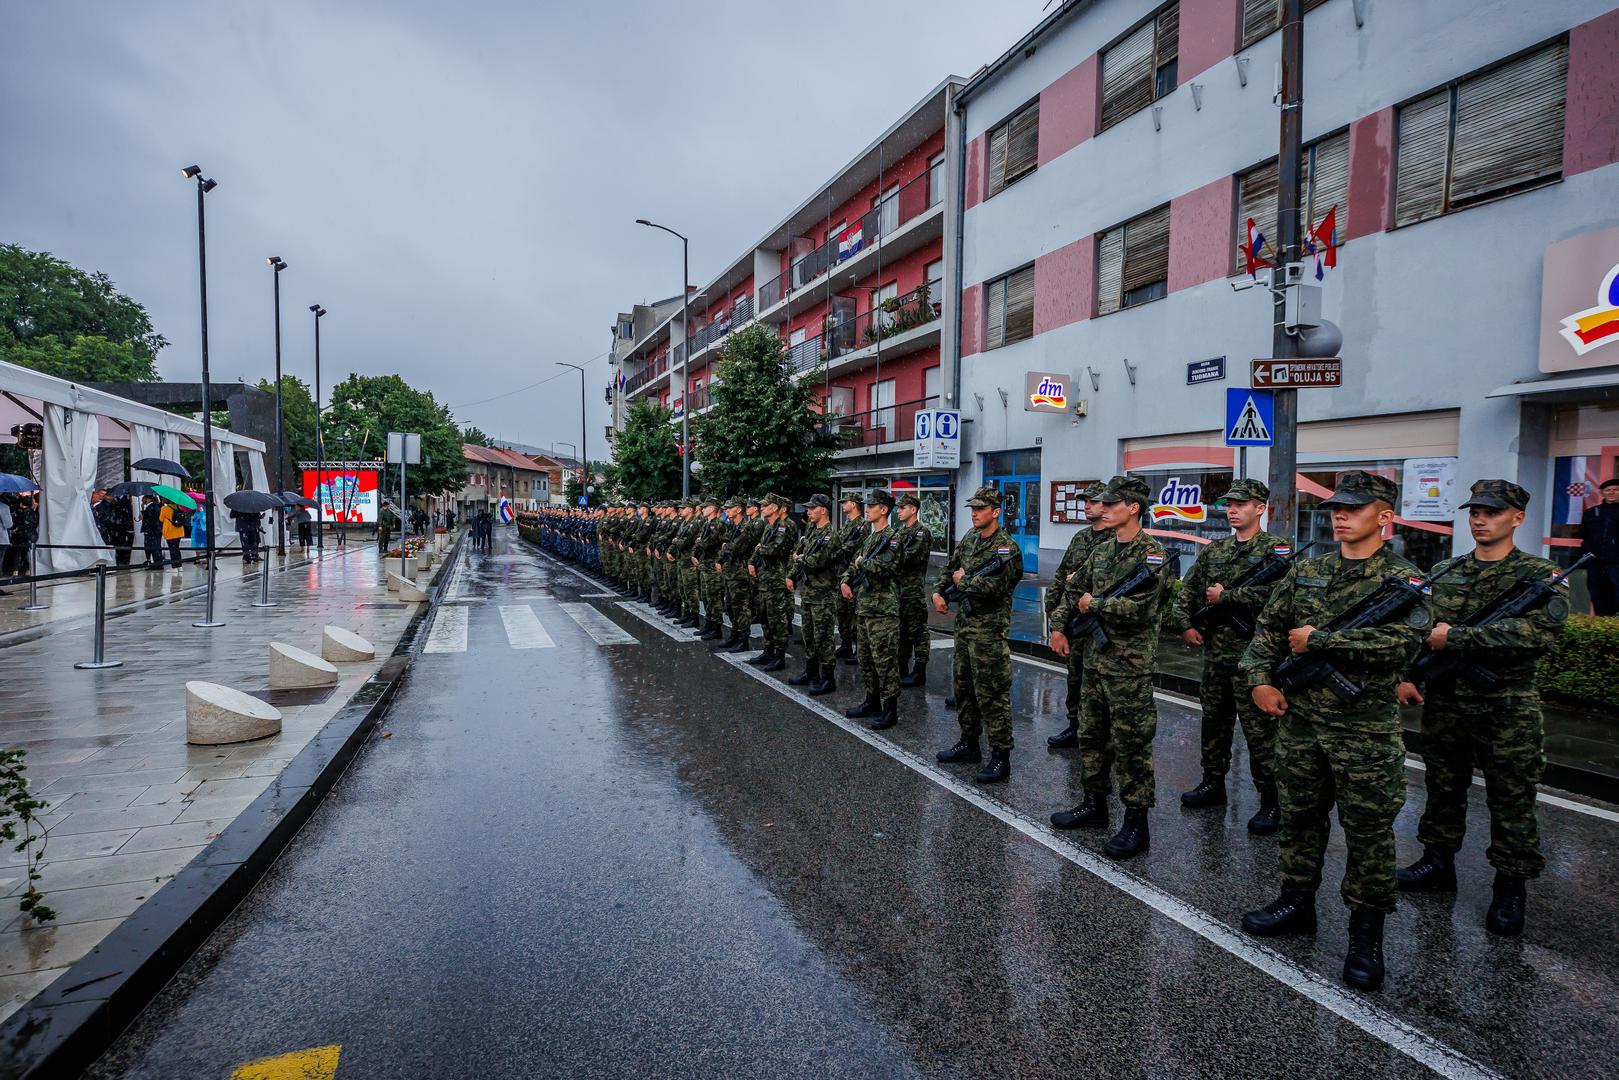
(1141,68)
(1260,18)
(1494,134)
(1133,262)
(1423,543)
(1009,307)
(1014,148)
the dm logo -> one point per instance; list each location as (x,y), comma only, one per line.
(1050,393)
(1595,326)
(1180,502)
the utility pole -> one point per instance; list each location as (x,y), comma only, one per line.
(1284,494)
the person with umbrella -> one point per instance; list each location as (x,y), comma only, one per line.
(152,531)
(24,531)
(174,522)
(246,509)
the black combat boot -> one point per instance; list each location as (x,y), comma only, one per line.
(1293,912)
(1132,837)
(917,676)
(1210,791)
(826,682)
(1068,736)
(871,706)
(844,651)
(811,675)
(1434,872)
(740,644)
(1269,817)
(1363,967)
(690,621)
(963,753)
(1090,814)
(1505,916)
(777,661)
(889,716)
(763,658)
(999,768)
(710,633)
(950,701)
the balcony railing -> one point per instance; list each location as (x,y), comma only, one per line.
(647,374)
(735,319)
(892,423)
(823,348)
(898,209)
(898,314)
(773,291)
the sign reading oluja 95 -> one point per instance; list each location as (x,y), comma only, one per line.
(1297,374)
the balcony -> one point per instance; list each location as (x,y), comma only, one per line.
(649,374)
(870,432)
(716,331)
(897,327)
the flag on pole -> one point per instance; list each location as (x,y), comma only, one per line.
(1323,235)
(1253,251)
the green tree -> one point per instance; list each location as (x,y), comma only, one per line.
(48,309)
(476,436)
(570,489)
(298,423)
(646,456)
(364,408)
(763,432)
(87,358)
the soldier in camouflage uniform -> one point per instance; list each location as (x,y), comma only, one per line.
(915,545)
(1224,694)
(1118,718)
(1072,559)
(706,550)
(872,582)
(984,570)
(685,551)
(769,571)
(814,578)
(656,541)
(1332,751)
(732,561)
(851,534)
(755,523)
(1497,727)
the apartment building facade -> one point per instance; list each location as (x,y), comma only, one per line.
(1112,159)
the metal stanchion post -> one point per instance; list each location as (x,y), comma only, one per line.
(264,586)
(100,660)
(33,586)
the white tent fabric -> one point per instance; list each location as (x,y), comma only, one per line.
(148,442)
(72,439)
(224,484)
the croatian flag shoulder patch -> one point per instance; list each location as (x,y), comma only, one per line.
(1003,551)
(1282,549)
(1155,560)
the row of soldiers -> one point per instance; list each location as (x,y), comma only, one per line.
(568,532)
(1310,652)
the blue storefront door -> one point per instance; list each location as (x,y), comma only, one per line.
(1016,474)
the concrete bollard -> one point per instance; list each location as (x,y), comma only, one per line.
(295,669)
(340,646)
(218,714)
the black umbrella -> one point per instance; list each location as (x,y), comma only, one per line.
(161,466)
(131,489)
(292,498)
(252,502)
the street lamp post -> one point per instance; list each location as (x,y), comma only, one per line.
(584,454)
(277,264)
(685,356)
(320,446)
(204,186)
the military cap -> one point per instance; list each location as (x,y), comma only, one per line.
(1094,492)
(909,499)
(818,499)
(734,500)
(986,498)
(712,500)
(752,500)
(1497,495)
(1248,490)
(881,495)
(1361,488)
(1125,488)
(773,498)
(852,497)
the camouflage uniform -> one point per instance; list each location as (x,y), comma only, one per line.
(1498,729)
(982,674)
(877,608)
(1225,696)
(915,545)
(770,559)
(1118,718)
(1073,558)
(755,526)
(816,561)
(1329,751)
(733,556)
(851,535)
(710,585)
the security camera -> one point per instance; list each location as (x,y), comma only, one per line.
(1243,284)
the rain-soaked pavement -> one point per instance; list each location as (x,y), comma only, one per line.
(588,847)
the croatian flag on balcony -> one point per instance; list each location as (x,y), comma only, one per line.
(851,240)
(621,380)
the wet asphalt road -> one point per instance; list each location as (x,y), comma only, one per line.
(590,859)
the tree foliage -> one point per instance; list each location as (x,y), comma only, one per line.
(297,419)
(61,320)
(476,436)
(364,408)
(570,489)
(763,433)
(646,459)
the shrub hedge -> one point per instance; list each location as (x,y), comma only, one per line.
(1585,665)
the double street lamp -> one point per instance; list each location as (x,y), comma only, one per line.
(277,264)
(204,186)
(685,355)
(320,446)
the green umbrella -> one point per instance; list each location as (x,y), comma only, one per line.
(174,495)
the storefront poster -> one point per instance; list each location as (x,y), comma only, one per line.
(1429,489)
(1068,501)
(348,495)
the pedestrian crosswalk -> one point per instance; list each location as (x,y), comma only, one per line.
(524,629)
(449,633)
(521,625)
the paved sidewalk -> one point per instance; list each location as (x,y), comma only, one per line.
(130,802)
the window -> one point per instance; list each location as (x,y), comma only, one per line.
(882,407)
(882,296)
(934,275)
(1009,308)
(1487,136)
(1141,68)
(1326,183)
(930,385)
(1262,17)
(1257,197)
(1014,147)
(1133,262)
(887,206)
(935,179)
(626,329)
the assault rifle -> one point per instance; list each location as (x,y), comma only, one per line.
(858,578)
(1140,580)
(952,592)
(796,574)
(1389,601)
(1272,568)
(1522,597)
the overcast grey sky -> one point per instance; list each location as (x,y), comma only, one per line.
(455,182)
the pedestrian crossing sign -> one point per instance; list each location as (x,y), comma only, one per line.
(1250,416)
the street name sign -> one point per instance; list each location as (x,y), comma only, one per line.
(1202,371)
(1297,374)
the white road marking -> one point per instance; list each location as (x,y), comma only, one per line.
(602,630)
(454,593)
(449,633)
(942,643)
(656,621)
(598,596)
(1370,1018)
(524,629)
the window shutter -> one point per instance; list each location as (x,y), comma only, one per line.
(1422,159)
(1019,306)
(997,158)
(995,321)
(1127,72)
(1169,36)
(1329,182)
(1146,251)
(1258,193)
(1259,17)
(1109,270)
(1509,126)
(1022,142)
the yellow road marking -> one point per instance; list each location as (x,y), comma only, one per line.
(316,1063)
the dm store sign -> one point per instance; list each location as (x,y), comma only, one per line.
(1045,391)
(1178,502)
